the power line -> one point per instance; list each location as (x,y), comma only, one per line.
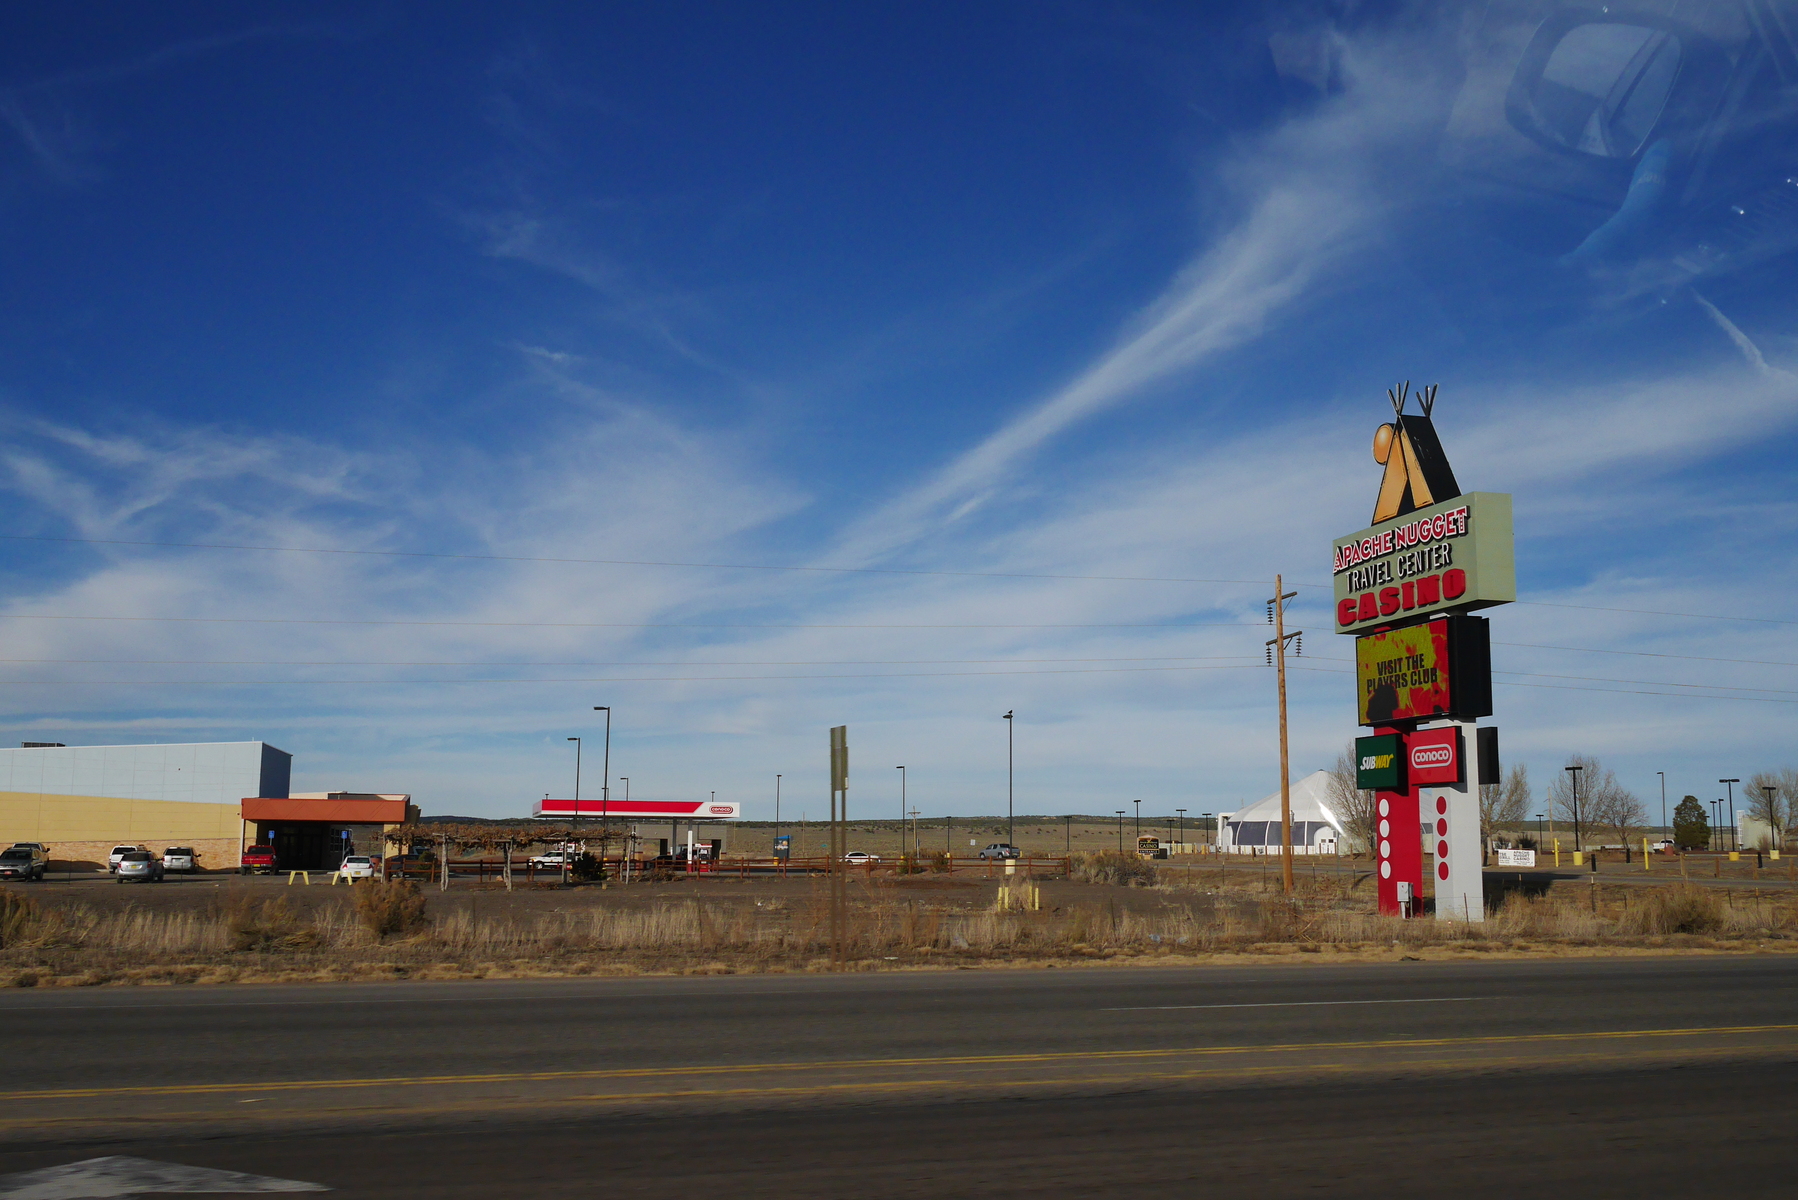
(1655,612)
(600,679)
(370,662)
(611,624)
(627,562)
(1570,688)
(619,562)
(1751,662)
(1721,687)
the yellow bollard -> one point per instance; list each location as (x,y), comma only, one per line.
(1645,854)
(304,877)
(1579,857)
(1557,852)
(1775,855)
(1735,856)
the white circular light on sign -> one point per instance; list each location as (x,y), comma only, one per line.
(1385,807)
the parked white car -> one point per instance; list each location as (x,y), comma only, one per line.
(358,866)
(555,858)
(180,858)
(119,852)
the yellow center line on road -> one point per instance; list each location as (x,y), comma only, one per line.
(1308,1071)
(868,1064)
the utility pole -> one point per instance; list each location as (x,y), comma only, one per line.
(1663,776)
(901,770)
(1180,839)
(1734,829)
(776,841)
(839,844)
(1120,813)
(1276,613)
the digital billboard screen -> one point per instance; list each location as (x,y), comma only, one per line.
(1418,672)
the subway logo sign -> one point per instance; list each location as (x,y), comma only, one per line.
(1379,763)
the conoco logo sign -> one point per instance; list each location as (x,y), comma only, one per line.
(1432,756)
(722,810)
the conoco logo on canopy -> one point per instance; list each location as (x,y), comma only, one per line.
(722,810)
(1432,756)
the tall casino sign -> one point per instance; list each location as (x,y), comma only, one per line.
(1405,589)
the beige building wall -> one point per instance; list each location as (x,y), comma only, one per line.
(85,828)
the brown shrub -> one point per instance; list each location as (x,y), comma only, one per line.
(1677,909)
(1109,866)
(272,925)
(18,917)
(390,907)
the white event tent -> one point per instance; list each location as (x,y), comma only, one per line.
(1316,827)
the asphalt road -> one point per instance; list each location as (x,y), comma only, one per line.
(1608,1076)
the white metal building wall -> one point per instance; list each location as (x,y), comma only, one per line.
(196,772)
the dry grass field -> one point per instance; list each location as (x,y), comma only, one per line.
(216,929)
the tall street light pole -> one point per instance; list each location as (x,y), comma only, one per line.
(624,841)
(776,842)
(1180,839)
(575,822)
(1120,813)
(1067,835)
(605,786)
(577,781)
(1663,776)
(1010,835)
(1730,784)
(1206,819)
(901,770)
(1574,771)
(1138,804)
(1774,833)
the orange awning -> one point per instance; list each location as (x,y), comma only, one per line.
(343,811)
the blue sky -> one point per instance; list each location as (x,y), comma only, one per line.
(1023,311)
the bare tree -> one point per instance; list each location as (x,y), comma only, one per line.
(1777,808)
(1353,805)
(1607,804)
(1571,802)
(1504,804)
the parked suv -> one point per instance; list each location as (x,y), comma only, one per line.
(140,865)
(24,861)
(1001,850)
(257,860)
(180,858)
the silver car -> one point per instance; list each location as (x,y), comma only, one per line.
(22,862)
(180,858)
(139,865)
